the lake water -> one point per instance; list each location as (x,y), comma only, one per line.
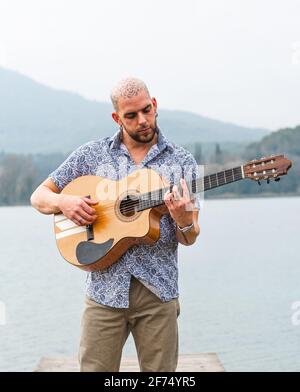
(237,287)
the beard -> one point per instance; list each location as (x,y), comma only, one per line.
(143,137)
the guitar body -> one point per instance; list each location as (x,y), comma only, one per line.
(117,228)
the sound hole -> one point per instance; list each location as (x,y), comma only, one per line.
(128,206)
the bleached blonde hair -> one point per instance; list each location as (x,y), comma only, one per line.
(127,88)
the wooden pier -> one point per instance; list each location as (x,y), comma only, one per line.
(186,363)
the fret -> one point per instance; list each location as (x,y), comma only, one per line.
(221,178)
(160,194)
(237,173)
(213,180)
(228,176)
(155,198)
(144,197)
(207,184)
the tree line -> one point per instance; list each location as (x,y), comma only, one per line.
(21,174)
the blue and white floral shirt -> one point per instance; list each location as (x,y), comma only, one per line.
(154,265)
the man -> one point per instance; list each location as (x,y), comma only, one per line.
(139,293)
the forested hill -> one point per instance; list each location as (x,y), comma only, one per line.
(286,142)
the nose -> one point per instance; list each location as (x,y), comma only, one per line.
(141,119)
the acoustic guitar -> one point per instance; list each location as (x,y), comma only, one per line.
(129,210)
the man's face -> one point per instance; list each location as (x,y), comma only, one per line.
(137,116)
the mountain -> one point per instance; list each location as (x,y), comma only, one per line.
(283,141)
(36,118)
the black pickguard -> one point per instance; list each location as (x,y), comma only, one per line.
(89,252)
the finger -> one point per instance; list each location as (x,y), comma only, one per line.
(167,196)
(168,203)
(90,201)
(168,199)
(78,220)
(172,198)
(89,210)
(185,190)
(86,217)
(88,204)
(176,193)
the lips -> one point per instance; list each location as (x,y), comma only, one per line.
(144,130)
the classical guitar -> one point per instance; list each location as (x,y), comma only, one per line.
(129,210)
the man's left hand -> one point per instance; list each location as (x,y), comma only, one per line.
(180,207)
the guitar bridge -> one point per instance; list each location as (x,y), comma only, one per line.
(89,232)
(89,228)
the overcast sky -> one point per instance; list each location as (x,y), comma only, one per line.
(233,60)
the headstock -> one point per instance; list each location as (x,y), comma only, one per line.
(267,168)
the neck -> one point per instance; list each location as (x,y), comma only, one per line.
(133,145)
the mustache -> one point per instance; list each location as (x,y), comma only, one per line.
(155,129)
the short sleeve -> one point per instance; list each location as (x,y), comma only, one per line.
(70,169)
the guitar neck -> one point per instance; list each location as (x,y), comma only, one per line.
(156,198)
(221,178)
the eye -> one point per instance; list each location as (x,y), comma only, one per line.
(130,115)
(147,110)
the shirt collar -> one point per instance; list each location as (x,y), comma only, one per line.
(116,140)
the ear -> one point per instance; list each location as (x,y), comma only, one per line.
(116,118)
(154,102)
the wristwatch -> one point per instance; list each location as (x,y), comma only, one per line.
(186,228)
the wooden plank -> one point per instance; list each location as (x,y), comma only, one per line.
(186,363)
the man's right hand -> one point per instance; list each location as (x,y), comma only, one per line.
(78,209)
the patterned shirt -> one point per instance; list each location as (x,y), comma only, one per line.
(153,265)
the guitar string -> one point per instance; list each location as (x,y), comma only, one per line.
(145,204)
(195,184)
(209,182)
(127,205)
(131,204)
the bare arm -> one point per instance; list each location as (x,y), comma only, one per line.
(47,199)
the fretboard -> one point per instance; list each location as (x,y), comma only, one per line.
(156,198)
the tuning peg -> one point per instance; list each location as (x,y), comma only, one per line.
(277,179)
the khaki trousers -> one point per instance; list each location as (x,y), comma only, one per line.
(153,324)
